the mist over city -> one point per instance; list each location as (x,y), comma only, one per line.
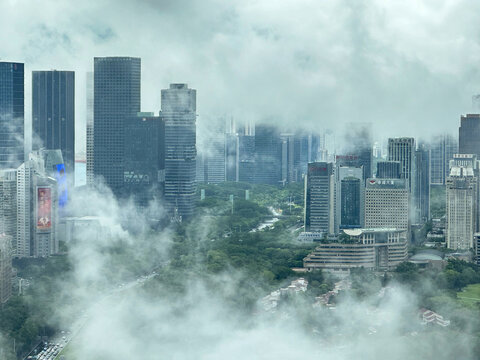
(239,179)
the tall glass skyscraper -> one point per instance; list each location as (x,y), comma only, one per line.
(116,98)
(469,134)
(11,114)
(179,105)
(53,113)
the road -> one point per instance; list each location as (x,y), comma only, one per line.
(53,348)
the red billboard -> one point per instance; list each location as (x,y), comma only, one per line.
(44,208)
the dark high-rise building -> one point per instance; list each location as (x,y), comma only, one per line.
(179,112)
(116,98)
(144,166)
(89,126)
(268,155)
(12,114)
(320,198)
(246,158)
(388,170)
(442,149)
(53,113)
(469,134)
(349,194)
(358,148)
(288,158)
(422,188)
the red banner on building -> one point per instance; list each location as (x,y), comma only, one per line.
(44,208)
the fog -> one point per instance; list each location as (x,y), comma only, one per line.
(113,316)
(406,67)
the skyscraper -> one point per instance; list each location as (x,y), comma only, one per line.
(144,166)
(461,207)
(215,159)
(179,112)
(469,134)
(388,170)
(268,155)
(53,113)
(246,158)
(320,198)
(422,188)
(403,151)
(5,268)
(288,158)
(12,115)
(386,204)
(442,149)
(89,126)
(116,98)
(358,146)
(349,192)
(231,157)
(37,207)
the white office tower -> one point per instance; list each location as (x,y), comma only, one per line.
(37,209)
(461,207)
(386,204)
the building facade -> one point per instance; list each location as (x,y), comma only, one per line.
(53,113)
(388,170)
(373,249)
(350,197)
(12,114)
(461,208)
(5,267)
(116,98)
(144,166)
(320,198)
(386,204)
(268,155)
(179,112)
(442,149)
(469,134)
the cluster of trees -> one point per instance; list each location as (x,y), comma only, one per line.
(26,318)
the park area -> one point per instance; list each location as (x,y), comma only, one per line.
(470,295)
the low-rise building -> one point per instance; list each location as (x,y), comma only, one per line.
(375,249)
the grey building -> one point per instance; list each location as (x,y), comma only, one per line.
(232,157)
(12,114)
(144,164)
(469,134)
(53,113)
(89,126)
(246,158)
(5,267)
(288,158)
(268,155)
(358,147)
(179,112)
(320,198)
(422,189)
(442,149)
(116,98)
(349,193)
(388,170)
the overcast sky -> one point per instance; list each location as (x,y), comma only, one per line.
(407,67)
